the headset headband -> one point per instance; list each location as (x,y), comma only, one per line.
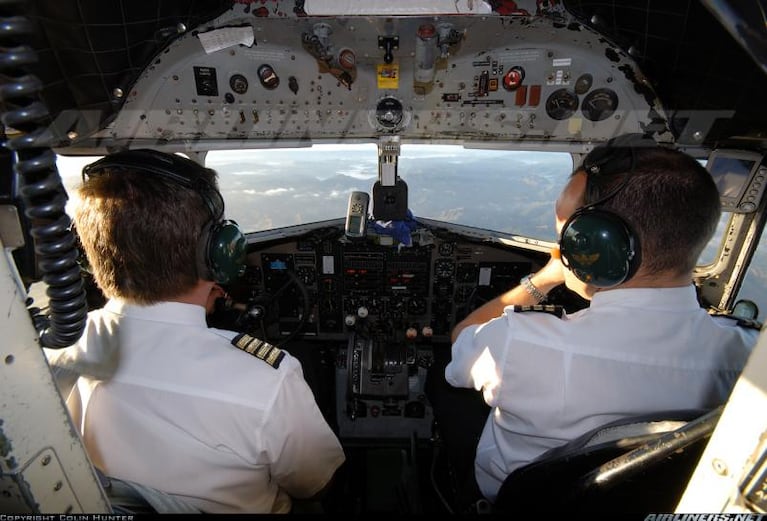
(616,156)
(174,167)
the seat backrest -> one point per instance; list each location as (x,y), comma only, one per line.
(128,497)
(636,464)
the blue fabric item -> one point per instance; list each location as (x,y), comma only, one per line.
(400,230)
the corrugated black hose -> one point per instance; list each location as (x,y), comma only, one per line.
(40,188)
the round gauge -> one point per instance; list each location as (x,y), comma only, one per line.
(599,104)
(446,248)
(513,79)
(307,274)
(268,77)
(583,83)
(561,104)
(389,113)
(347,59)
(238,83)
(444,269)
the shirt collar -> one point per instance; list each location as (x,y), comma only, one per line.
(169,312)
(682,298)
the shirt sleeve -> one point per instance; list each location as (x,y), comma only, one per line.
(64,375)
(305,452)
(96,354)
(477,355)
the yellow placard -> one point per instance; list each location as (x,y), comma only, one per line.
(388,76)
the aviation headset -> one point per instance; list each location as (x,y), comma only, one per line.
(222,247)
(597,245)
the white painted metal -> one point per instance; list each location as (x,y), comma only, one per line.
(737,445)
(43,465)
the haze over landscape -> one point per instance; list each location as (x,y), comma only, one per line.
(512,192)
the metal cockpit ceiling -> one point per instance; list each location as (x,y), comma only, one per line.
(90,52)
(693,62)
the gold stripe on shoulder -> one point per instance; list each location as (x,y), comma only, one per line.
(243,341)
(254,345)
(551,309)
(262,350)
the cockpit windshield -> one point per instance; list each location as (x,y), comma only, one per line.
(511,192)
(506,191)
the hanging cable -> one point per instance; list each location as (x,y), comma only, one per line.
(40,188)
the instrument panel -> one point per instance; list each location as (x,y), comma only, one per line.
(378,310)
(456,77)
(336,286)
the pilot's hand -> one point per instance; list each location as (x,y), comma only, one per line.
(216,292)
(545,279)
(553,273)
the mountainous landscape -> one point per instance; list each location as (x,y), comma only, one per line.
(507,191)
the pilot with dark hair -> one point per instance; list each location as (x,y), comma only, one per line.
(632,222)
(225,422)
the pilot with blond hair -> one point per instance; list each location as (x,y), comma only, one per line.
(224,422)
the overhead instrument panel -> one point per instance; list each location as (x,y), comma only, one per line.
(460,77)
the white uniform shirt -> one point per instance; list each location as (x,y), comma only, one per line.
(182,410)
(549,380)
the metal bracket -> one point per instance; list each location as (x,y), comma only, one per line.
(388,154)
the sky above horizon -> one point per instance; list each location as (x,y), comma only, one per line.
(507,191)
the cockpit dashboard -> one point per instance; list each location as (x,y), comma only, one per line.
(374,310)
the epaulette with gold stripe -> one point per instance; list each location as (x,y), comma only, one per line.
(263,350)
(742,322)
(551,309)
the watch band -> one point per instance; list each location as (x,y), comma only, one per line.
(531,289)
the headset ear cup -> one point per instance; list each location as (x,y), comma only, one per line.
(222,246)
(598,247)
(225,252)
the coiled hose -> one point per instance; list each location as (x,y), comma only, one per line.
(42,193)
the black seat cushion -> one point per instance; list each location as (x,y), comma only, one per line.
(554,481)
